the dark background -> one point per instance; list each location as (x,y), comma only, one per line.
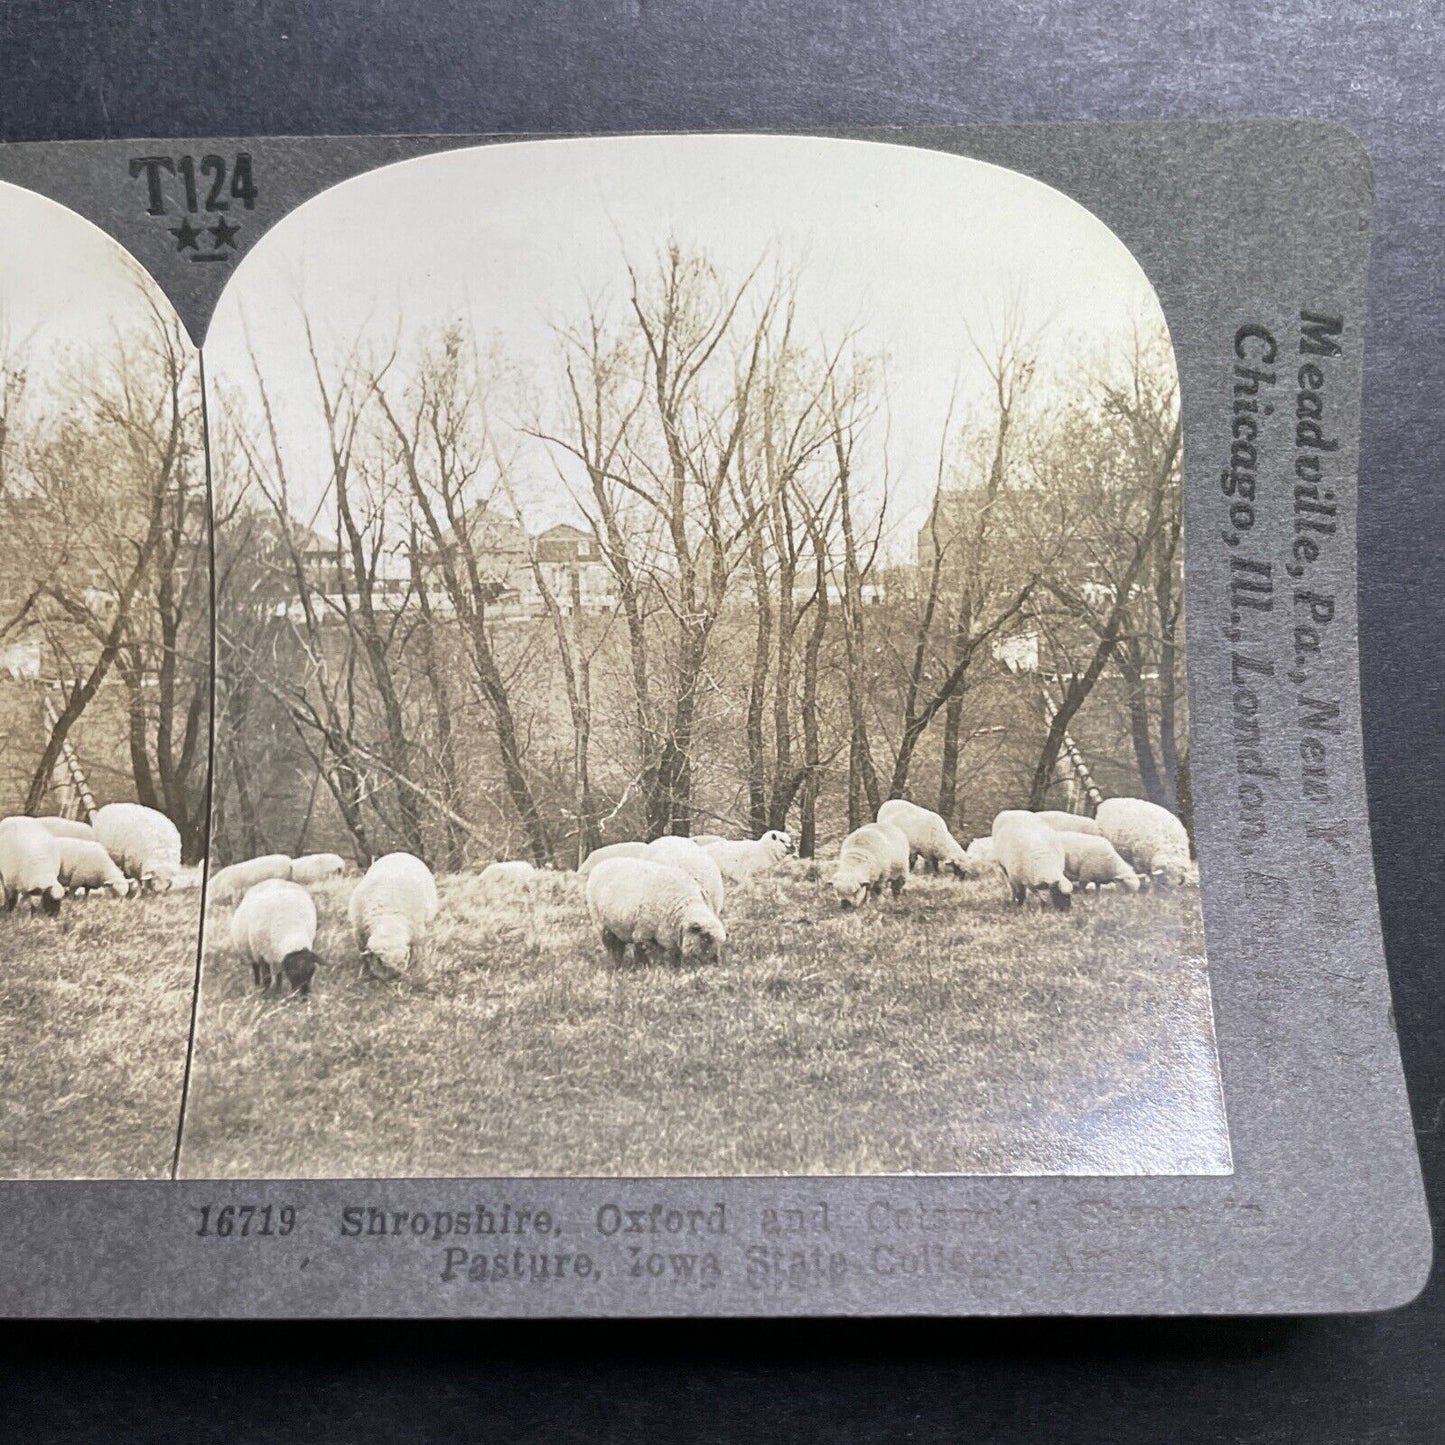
(231,67)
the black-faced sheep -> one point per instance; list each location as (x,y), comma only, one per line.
(1089,858)
(274,930)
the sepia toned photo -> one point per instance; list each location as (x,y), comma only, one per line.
(104,701)
(700,680)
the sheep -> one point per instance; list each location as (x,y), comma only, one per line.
(611,850)
(704,839)
(68,828)
(696,862)
(655,908)
(274,930)
(85,867)
(511,871)
(145,843)
(317,868)
(980,850)
(30,864)
(390,911)
(1069,822)
(1032,857)
(927,834)
(740,860)
(1149,838)
(228,884)
(871,856)
(1089,858)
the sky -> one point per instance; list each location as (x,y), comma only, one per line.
(911,249)
(65,286)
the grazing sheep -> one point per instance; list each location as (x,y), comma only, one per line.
(1091,859)
(229,884)
(740,860)
(145,843)
(611,850)
(1069,822)
(1149,838)
(696,862)
(871,856)
(391,909)
(512,871)
(274,930)
(68,828)
(86,867)
(317,867)
(1031,855)
(927,834)
(655,908)
(30,864)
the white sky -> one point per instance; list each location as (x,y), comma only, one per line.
(65,286)
(910,247)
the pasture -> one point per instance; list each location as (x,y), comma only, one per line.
(95,1014)
(945,1032)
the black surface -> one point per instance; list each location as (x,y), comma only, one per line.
(86,70)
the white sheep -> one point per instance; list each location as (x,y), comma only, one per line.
(86,867)
(696,862)
(68,828)
(875,855)
(145,843)
(317,868)
(703,839)
(656,909)
(391,910)
(740,860)
(611,850)
(274,930)
(230,883)
(30,864)
(927,834)
(1149,838)
(1069,822)
(1089,858)
(516,870)
(1032,857)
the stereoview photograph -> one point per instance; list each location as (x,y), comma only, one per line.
(700,679)
(105,682)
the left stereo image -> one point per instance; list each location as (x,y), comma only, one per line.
(105,700)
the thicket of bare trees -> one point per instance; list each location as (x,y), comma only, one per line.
(106,575)
(768,650)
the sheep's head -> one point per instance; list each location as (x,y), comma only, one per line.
(158,879)
(851,887)
(1175,871)
(123,887)
(50,900)
(298,969)
(1062,895)
(702,940)
(779,843)
(1131,882)
(389,943)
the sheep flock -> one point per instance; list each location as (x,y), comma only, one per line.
(666,900)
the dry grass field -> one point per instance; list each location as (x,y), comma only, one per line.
(95,1013)
(944,1032)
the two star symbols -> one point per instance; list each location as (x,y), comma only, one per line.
(223,233)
